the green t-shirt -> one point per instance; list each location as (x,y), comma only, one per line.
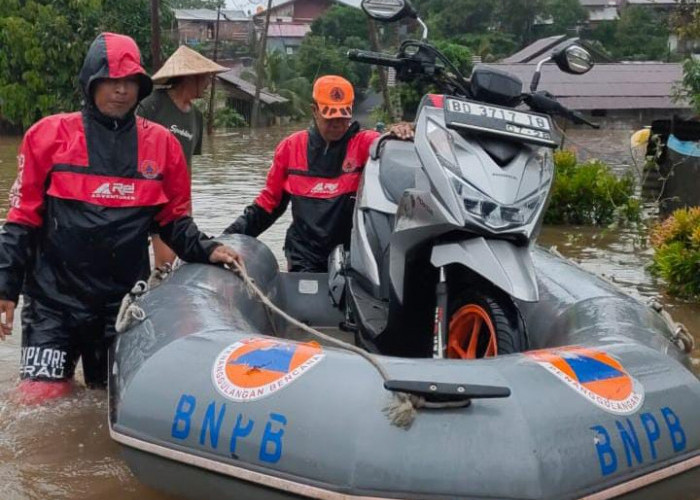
(187,127)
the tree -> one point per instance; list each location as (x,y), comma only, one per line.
(641,34)
(450,18)
(42,46)
(319,56)
(689,88)
(517,17)
(686,24)
(566,15)
(339,23)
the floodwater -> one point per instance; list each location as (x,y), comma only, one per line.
(63,450)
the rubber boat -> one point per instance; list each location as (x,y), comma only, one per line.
(212,396)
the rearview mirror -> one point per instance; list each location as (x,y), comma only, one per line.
(573,59)
(388,10)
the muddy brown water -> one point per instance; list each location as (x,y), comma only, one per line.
(63,450)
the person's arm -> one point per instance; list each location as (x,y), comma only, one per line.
(176,227)
(18,233)
(270,203)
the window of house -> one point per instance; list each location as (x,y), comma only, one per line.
(290,51)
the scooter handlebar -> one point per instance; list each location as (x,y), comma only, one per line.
(544,102)
(377,58)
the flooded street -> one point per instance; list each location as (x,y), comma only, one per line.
(63,451)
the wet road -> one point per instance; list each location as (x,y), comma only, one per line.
(63,451)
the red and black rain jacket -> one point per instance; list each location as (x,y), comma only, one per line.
(321,181)
(88,190)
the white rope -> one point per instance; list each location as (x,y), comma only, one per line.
(401,409)
(129,312)
(681,335)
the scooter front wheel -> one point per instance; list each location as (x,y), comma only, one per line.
(484,324)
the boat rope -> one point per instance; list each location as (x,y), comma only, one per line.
(402,408)
(131,313)
(680,335)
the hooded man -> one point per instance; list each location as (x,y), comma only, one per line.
(89,186)
(319,170)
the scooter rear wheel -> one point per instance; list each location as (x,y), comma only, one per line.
(484,324)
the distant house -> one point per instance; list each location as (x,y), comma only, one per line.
(286,37)
(300,11)
(195,26)
(241,93)
(601,10)
(618,95)
(290,21)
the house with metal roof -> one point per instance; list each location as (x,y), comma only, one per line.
(241,93)
(301,11)
(195,26)
(290,21)
(617,95)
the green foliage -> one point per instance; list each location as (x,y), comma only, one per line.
(228,118)
(685,19)
(449,18)
(590,193)
(43,44)
(690,85)
(318,56)
(459,55)
(641,33)
(490,46)
(676,242)
(339,23)
(565,14)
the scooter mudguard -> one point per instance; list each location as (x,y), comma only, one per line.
(507,266)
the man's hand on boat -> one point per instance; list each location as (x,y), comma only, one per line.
(402,130)
(7,315)
(226,255)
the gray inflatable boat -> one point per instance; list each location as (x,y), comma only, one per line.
(211,396)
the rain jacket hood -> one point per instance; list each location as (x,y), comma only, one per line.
(113,56)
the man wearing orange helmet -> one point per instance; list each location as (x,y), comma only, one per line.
(319,171)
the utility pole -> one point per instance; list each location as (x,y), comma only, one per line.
(212,88)
(155,35)
(260,71)
(374,43)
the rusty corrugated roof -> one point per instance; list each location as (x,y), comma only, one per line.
(608,85)
(287,30)
(536,48)
(248,88)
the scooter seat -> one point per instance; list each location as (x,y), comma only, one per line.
(397,169)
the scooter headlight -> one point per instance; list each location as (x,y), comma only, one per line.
(490,212)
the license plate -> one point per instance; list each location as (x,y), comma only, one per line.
(495,120)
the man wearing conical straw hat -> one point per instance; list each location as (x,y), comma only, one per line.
(186,75)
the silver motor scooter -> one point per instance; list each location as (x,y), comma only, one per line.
(443,226)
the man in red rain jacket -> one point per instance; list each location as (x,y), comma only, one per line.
(318,170)
(89,187)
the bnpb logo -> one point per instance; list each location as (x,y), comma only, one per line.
(149,169)
(255,368)
(595,375)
